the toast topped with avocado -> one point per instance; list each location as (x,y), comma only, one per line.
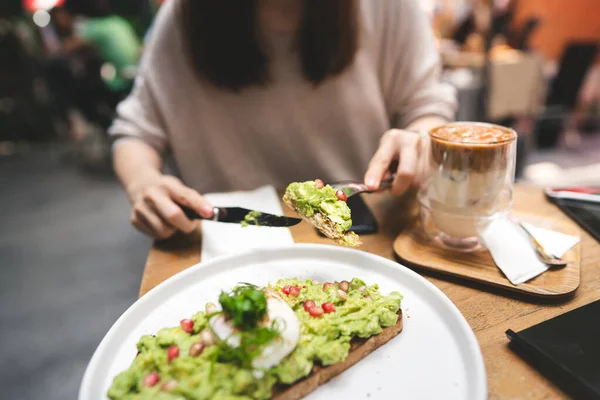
(324,208)
(278,342)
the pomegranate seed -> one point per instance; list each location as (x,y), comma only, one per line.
(294,291)
(286,289)
(341,195)
(208,337)
(151,379)
(196,349)
(319,184)
(345,286)
(315,311)
(167,387)
(327,285)
(172,353)
(328,307)
(187,325)
(308,304)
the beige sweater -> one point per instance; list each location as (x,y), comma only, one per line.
(288,131)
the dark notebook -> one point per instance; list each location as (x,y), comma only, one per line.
(566,349)
(587,215)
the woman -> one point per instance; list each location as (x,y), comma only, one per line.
(245,93)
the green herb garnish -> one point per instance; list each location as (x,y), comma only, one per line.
(246,305)
(251,344)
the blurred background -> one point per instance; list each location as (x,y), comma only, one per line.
(71,264)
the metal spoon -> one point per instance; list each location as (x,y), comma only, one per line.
(543,255)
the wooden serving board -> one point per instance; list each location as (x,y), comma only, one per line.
(418,251)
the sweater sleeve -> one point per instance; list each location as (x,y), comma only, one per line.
(140,115)
(412,66)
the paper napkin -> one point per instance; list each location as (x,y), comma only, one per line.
(219,239)
(513,252)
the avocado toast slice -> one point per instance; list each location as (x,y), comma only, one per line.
(280,341)
(324,208)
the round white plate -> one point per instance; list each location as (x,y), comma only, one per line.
(436,356)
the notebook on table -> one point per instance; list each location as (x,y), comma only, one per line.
(587,215)
(582,204)
(566,349)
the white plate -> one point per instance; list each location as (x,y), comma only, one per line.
(435,356)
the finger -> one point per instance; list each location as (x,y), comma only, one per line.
(145,216)
(407,169)
(170,212)
(188,197)
(142,226)
(148,217)
(424,160)
(393,167)
(379,164)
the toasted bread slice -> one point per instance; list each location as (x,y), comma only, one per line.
(326,226)
(359,349)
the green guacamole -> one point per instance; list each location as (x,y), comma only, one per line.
(323,340)
(310,200)
(251,218)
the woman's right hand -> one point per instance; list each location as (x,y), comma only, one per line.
(156,206)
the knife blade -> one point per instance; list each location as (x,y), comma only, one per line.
(237,215)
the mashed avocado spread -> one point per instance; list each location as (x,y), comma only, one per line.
(251,218)
(308,199)
(180,363)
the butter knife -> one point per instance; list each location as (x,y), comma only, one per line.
(237,215)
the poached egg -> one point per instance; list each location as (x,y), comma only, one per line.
(273,352)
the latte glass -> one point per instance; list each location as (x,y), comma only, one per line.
(470,184)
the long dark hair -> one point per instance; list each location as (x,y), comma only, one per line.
(223,40)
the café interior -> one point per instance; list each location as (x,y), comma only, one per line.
(511,314)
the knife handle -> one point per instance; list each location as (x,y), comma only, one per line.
(191,214)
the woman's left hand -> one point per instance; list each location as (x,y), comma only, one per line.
(409,150)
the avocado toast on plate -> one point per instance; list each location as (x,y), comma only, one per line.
(325,208)
(280,341)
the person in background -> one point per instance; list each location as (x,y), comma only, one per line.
(245,93)
(94,66)
(74,73)
(116,41)
(493,19)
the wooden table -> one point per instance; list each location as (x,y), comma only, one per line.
(490,312)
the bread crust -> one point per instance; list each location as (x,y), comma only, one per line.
(359,349)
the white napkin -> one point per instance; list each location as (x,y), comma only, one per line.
(219,239)
(513,252)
